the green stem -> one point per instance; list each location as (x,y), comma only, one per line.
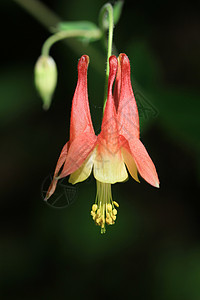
(107,8)
(68,34)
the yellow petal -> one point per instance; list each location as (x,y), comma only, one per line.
(130,163)
(84,171)
(109,167)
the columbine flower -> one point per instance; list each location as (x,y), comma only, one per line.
(115,148)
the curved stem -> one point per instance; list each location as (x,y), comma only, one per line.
(107,8)
(67,34)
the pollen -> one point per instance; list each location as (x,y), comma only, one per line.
(115,203)
(103,210)
(94,207)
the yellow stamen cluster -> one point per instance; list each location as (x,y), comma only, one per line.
(104,211)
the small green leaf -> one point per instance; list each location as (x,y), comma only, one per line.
(117,10)
(92,31)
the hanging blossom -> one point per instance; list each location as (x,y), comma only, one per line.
(117,147)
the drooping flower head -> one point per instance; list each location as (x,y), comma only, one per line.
(45,78)
(117,147)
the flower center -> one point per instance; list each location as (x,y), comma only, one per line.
(103,210)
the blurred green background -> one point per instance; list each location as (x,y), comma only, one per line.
(153,250)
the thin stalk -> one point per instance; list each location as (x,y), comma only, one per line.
(68,34)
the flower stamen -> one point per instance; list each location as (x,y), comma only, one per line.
(103,210)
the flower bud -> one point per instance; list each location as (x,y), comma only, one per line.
(45,79)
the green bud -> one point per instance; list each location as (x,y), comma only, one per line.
(45,79)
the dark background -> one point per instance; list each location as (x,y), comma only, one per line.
(153,250)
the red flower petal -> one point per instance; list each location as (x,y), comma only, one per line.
(142,159)
(128,117)
(109,129)
(78,151)
(117,88)
(60,162)
(80,112)
(82,136)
